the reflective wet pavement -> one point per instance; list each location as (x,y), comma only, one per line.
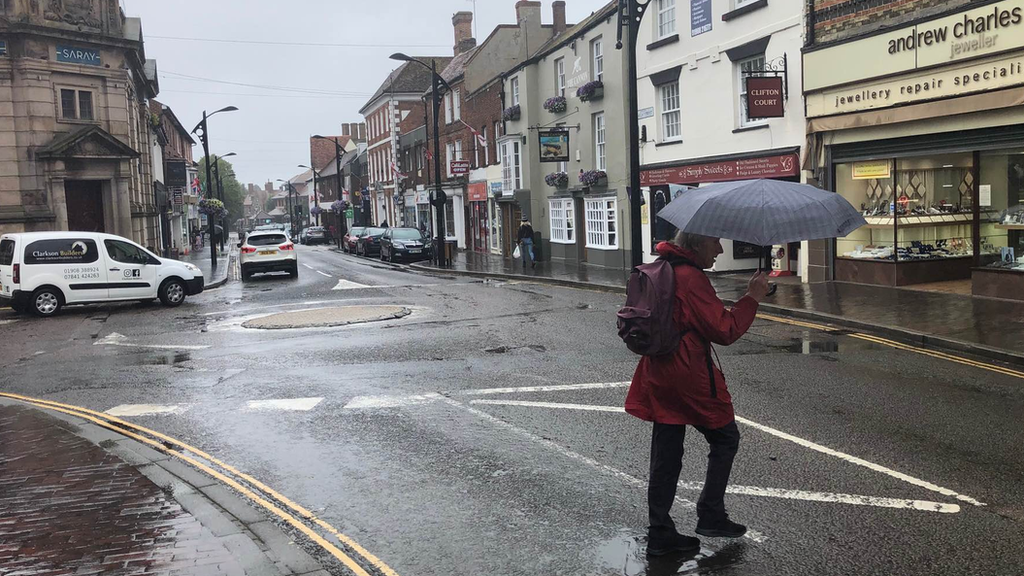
(988,322)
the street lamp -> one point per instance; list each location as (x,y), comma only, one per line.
(291,205)
(202,130)
(631,14)
(316,196)
(220,192)
(440,198)
(338,153)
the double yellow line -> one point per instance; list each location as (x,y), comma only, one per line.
(899,346)
(151,437)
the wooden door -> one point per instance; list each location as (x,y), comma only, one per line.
(84,199)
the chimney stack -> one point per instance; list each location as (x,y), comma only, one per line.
(463,24)
(558,16)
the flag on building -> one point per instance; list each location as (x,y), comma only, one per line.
(197,189)
(426,151)
(479,137)
(398,173)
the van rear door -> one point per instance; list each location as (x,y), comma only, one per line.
(8,246)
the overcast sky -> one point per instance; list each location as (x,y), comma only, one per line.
(324,86)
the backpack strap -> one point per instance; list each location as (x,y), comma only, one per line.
(676,260)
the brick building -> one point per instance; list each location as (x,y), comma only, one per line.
(75,139)
(915,116)
(396,108)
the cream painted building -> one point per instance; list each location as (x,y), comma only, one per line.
(74,121)
(693,61)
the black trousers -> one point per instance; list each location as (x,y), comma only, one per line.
(667,461)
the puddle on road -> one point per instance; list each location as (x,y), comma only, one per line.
(166,359)
(627,555)
(506,349)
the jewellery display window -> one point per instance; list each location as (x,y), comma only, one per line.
(1001,195)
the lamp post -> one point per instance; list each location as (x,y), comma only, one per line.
(338,153)
(220,193)
(316,195)
(291,205)
(202,131)
(631,14)
(440,198)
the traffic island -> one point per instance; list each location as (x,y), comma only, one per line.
(327,317)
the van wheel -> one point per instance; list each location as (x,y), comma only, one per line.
(46,302)
(172,292)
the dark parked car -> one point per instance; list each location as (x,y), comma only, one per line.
(369,242)
(315,235)
(348,242)
(404,244)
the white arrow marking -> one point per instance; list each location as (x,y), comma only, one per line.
(349,285)
(115,339)
(324,274)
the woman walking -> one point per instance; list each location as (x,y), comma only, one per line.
(685,388)
(525,239)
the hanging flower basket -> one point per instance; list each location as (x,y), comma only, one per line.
(557,180)
(591,91)
(512,113)
(556,104)
(594,178)
(316,211)
(212,207)
(338,206)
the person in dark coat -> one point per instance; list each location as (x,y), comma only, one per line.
(525,239)
(687,389)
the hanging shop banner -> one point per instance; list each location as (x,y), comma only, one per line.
(72,55)
(700,17)
(478,192)
(179,196)
(872,170)
(459,167)
(554,145)
(745,169)
(764,97)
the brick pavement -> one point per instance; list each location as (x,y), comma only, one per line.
(67,506)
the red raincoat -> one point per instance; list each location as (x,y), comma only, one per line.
(675,388)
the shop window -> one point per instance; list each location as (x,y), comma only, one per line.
(563,221)
(449,218)
(744,69)
(76,104)
(1001,203)
(511,170)
(666,18)
(597,54)
(602,223)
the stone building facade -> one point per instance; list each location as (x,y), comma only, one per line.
(75,132)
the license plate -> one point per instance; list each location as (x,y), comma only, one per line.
(415,251)
(268,252)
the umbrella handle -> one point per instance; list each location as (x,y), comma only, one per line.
(764,263)
(772,289)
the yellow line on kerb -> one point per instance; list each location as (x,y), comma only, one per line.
(899,346)
(94,416)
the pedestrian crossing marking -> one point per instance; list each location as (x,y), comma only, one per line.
(294,404)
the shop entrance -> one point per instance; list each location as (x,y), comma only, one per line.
(511,216)
(84,199)
(581,230)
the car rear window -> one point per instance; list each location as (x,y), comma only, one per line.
(266,239)
(356,231)
(372,232)
(406,234)
(6,252)
(62,251)
(316,228)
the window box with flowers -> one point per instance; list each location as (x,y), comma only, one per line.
(556,104)
(594,178)
(511,113)
(591,91)
(557,180)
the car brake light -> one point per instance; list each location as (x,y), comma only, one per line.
(248,250)
(288,246)
(17,273)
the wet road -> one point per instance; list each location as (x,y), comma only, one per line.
(481,434)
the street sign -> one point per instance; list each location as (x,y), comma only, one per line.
(459,167)
(179,196)
(350,213)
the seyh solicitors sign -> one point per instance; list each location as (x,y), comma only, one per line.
(924,61)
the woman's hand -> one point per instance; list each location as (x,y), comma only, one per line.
(757,288)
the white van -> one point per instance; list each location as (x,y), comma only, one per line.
(43,271)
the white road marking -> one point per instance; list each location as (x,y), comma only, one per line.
(854,499)
(548,388)
(145,409)
(308,266)
(861,462)
(115,339)
(391,401)
(297,404)
(324,274)
(630,480)
(778,433)
(350,285)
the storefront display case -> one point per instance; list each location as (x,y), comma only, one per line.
(1000,273)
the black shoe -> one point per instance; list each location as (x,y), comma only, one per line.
(720,528)
(674,543)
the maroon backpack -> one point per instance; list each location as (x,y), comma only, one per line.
(646,322)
